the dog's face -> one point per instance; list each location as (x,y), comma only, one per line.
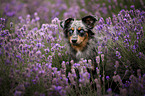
(78,32)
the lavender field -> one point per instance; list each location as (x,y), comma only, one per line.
(33,56)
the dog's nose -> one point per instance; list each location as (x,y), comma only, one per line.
(74,41)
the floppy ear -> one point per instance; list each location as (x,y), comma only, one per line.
(89,21)
(66,23)
(62,24)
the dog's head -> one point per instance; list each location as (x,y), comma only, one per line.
(78,32)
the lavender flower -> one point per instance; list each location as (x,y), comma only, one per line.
(38,53)
(20,88)
(118,54)
(18,93)
(107,77)
(109,91)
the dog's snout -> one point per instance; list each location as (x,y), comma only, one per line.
(74,40)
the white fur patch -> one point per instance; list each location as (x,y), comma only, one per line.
(79,54)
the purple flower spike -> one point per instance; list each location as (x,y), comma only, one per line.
(18,93)
(132,7)
(38,53)
(107,77)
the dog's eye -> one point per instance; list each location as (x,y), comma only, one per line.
(70,31)
(81,31)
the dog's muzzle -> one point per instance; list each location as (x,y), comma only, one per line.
(74,40)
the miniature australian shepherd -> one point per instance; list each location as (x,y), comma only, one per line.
(80,38)
(81,41)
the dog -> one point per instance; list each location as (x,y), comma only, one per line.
(80,38)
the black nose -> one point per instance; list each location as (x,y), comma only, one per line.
(74,41)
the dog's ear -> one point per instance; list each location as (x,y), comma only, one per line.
(65,24)
(89,21)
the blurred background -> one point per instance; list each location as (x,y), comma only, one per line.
(47,10)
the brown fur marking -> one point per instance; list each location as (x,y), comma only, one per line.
(79,28)
(82,41)
(72,28)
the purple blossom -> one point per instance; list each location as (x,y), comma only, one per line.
(118,54)
(39,45)
(108,20)
(127,84)
(99,50)
(18,93)
(38,53)
(98,59)
(107,77)
(101,21)
(109,91)
(20,88)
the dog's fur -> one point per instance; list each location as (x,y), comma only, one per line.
(80,38)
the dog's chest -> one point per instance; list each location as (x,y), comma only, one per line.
(79,54)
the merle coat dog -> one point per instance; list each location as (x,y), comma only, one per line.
(80,38)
